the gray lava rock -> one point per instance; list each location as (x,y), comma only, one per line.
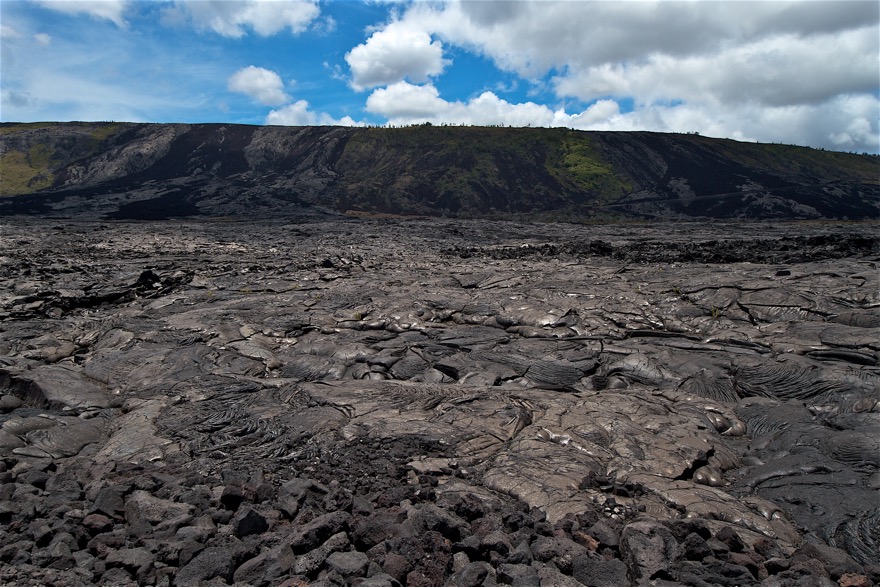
(201,530)
(550,575)
(109,502)
(430,517)
(717,572)
(802,581)
(379,580)
(267,567)
(496,542)
(137,561)
(311,562)
(836,561)
(650,552)
(348,564)
(105,542)
(695,547)
(59,556)
(728,536)
(41,532)
(518,575)
(233,495)
(213,562)
(466,505)
(560,551)
(369,531)
(472,575)
(9,403)
(522,554)
(397,566)
(143,511)
(594,572)
(605,534)
(118,576)
(311,535)
(247,522)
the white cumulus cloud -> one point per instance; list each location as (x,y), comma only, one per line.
(8,32)
(533,37)
(111,10)
(300,114)
(405,103)
(395,53)
(263,85)
(777,71)
(233,18)
(43,39)
(846,123)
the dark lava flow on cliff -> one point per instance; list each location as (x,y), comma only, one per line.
(154,171)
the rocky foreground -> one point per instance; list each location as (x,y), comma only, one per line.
(432,403)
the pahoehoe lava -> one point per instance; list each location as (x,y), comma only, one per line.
(438,402)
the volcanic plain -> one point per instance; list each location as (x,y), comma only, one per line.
(382,402)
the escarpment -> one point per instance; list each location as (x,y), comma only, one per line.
(153,171)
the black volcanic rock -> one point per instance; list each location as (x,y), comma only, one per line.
(310,535)
(438,402)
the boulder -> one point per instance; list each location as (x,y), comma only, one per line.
(649,551)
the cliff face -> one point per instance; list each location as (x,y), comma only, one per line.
(159,170)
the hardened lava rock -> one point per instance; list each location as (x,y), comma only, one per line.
(438,403)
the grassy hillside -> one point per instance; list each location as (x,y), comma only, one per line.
(469,170)
(32,154)
(791,160)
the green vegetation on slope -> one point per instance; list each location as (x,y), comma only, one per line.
(25,126)
(25,172)
(470,170)
(32,153)
(100,134)
(587,169)
(792,160)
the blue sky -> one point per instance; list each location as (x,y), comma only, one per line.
(793,72)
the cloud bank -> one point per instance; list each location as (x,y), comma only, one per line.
(111,10)
(804,72)
(300,114)
(233,18)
